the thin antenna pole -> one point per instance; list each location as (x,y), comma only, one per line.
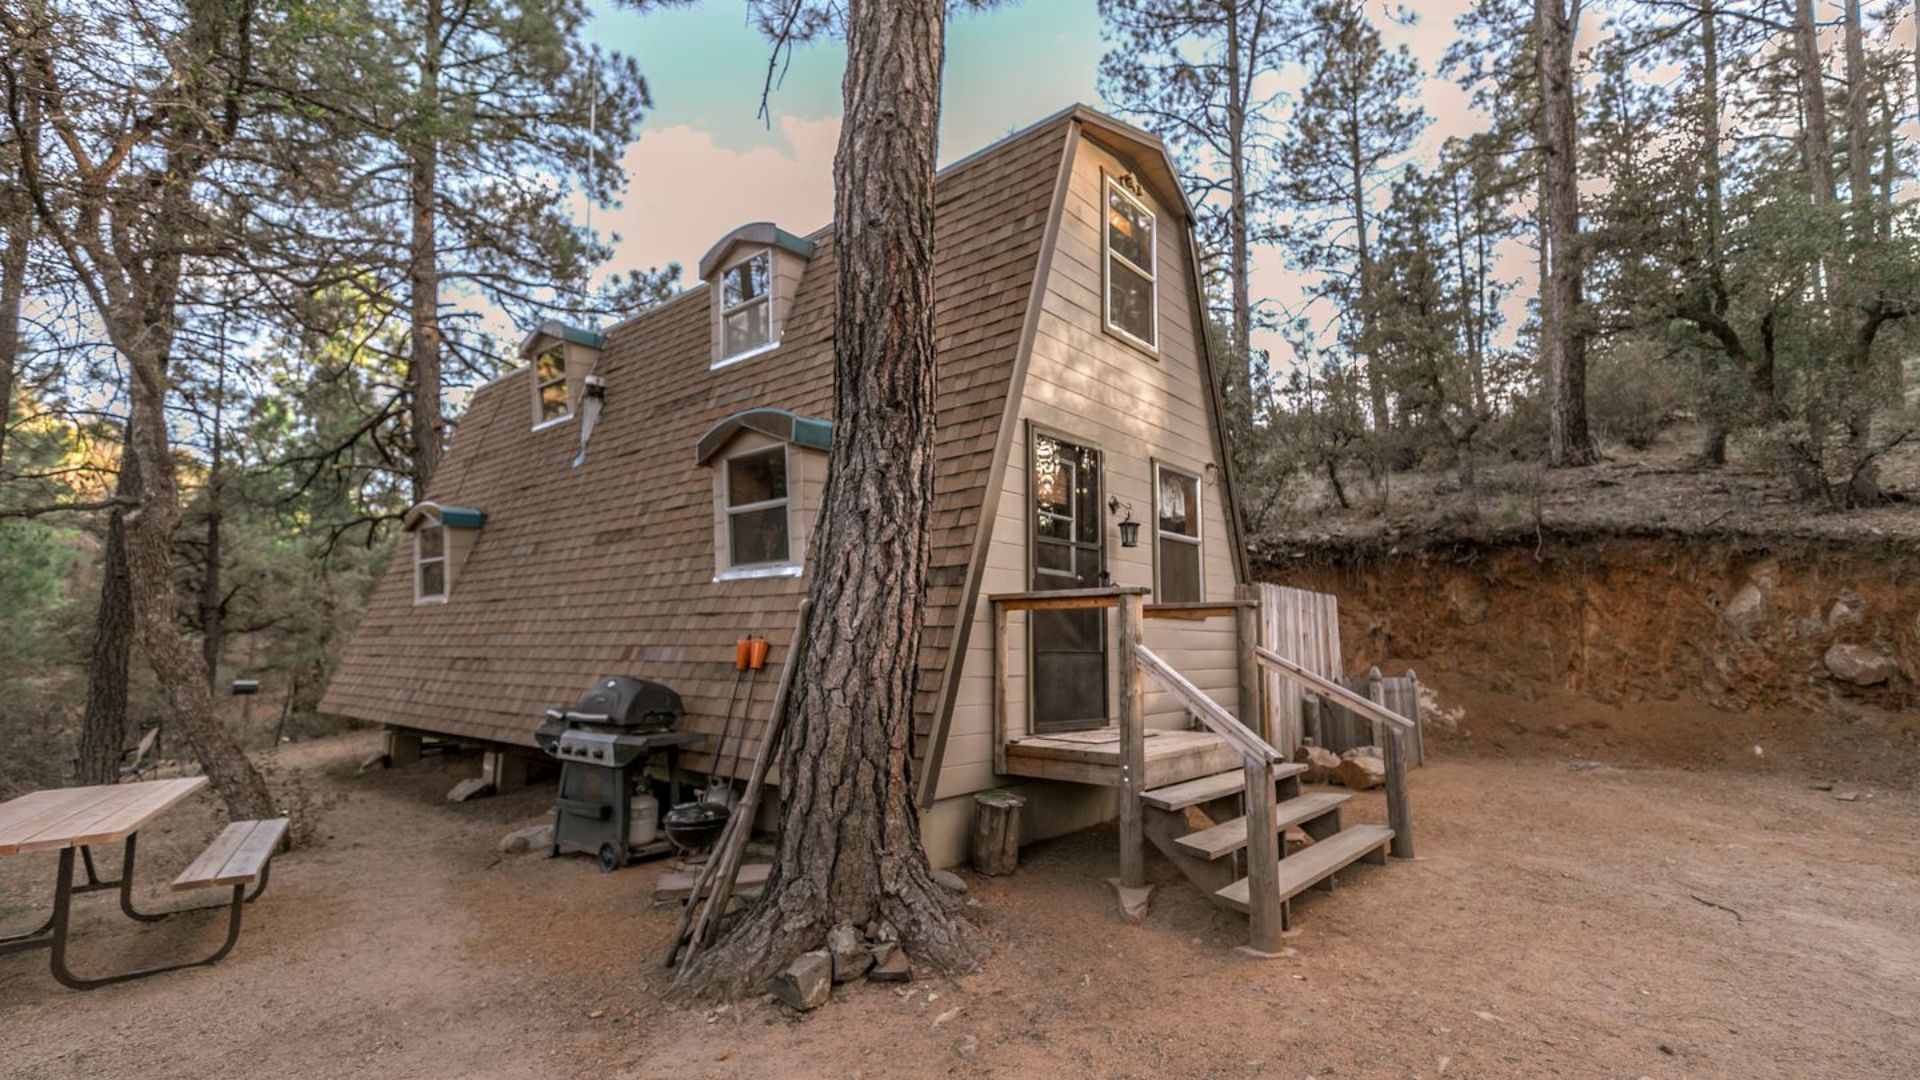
(593,142)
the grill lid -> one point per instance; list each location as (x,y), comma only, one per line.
(623,702)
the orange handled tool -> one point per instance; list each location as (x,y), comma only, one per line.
(742,654)
(759,658)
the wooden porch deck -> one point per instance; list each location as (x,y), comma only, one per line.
(1093,757)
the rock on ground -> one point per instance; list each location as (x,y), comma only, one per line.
(807,982)
(468,788)
(1362,773)
(1321,764)
(851,955)
(1860,665)
(531,838)
(890,965)
(949,881)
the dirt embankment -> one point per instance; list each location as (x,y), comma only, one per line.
(1804,644)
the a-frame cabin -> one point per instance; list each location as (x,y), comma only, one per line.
(631,501)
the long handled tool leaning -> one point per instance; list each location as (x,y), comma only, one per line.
(742,660)
(713,888)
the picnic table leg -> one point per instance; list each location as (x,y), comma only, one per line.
(63,910)
(126,889)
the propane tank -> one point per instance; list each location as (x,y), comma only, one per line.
(643,820)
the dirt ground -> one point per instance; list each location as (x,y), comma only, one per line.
(1576,910)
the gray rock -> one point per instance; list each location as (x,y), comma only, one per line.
(851,957)
(1321,764)
(531,838)
(1860,665)
(1362,773)
(1747,610)
(469,788)
(949,881)
(890,965)
(967,1046)
(1362,751)
(881,932)
(807,982)
(1848,609)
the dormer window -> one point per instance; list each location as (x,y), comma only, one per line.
(430,563)
(754,275)
(746,305)
(443,536)
(550,385)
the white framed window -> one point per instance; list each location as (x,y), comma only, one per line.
(758,537)
(550,399)
(430,563)
(746,305)
(1176,537)
(1132,310)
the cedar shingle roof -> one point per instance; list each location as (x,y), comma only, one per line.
(607,568)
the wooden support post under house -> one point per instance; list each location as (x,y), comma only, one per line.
(505,770)
(403,747)
(1133,747)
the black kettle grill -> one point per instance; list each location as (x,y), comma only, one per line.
(603,742)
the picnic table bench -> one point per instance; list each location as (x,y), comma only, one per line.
(76,819)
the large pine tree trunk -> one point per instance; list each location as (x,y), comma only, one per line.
(1568,442)
(423,268)
(13,288)
(103,726)
(849,847)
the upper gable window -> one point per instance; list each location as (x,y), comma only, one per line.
(429,563)
(746,305)
(550,385)
(1176,525)
(757,509)
(1131,308)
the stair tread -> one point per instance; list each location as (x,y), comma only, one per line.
(1303,869)
(1231,836)
(1206,788)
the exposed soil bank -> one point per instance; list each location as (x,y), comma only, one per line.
(1809,639)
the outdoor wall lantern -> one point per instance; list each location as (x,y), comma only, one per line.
(1129,528)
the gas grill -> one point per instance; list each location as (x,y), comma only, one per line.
(603,743)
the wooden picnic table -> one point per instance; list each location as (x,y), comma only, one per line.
(74,819)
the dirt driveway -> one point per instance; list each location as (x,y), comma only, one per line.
(1577,922)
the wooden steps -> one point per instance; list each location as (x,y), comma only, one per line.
(1303,870)
(1208,788)
(1230,836)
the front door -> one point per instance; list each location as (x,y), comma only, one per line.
(1069,648)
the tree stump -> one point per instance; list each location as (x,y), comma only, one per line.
(996,831)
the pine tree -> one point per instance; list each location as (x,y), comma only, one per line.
(1353,125)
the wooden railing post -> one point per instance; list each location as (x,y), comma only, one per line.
(1133,744)
(1246,628)
(1399,808)
(1001,664)
(1268,911)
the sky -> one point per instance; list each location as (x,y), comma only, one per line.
(705,162)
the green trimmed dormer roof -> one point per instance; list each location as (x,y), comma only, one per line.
(453,517)
(758,234)
(560,331)
(779,423)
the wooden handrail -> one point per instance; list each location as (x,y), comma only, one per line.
(1327,687)
(1065,599)
(1210,712)
(1194,611)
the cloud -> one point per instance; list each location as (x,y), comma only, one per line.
(685,191)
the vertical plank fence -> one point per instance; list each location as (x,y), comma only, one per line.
(1304,627)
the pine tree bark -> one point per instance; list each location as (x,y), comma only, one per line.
(103,726)
(13,289)
(1568,441)
(212,605)
(849,847)
(423,271)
